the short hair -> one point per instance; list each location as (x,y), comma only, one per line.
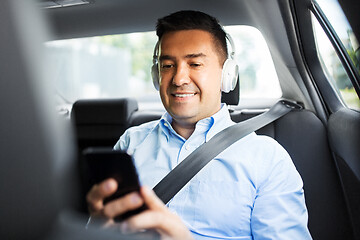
(195,20)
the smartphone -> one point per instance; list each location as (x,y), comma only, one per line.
(104,163)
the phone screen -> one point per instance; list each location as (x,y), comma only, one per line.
(106,163)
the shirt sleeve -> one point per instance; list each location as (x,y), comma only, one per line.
(279,210)
(123,142)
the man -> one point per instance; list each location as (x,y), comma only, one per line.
(249,191)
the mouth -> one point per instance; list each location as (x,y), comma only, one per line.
(183,95)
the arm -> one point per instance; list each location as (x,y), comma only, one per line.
(279,210)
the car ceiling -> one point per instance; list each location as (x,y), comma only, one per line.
(114,16)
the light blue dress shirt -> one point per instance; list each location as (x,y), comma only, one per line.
(249,191)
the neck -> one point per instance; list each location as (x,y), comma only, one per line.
(183,129)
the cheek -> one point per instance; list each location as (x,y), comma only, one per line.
(211,82)
(163,85)
(163,95)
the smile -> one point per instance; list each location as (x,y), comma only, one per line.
(184,95)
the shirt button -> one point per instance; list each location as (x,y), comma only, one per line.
(187,147)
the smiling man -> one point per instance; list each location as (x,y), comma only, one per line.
(249,191)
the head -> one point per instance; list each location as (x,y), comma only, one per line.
(191,54)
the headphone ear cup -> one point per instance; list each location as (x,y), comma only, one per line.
(155,76)
(230,73)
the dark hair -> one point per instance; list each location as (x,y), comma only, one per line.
(190,20)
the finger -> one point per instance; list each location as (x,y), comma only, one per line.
(156,217)
(145,220)
(166,223)
(99,192)
(152,201)
(121,205)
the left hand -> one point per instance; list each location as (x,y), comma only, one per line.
(157,217)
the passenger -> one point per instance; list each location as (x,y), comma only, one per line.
(249,191)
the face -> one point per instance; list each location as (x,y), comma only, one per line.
(190,75)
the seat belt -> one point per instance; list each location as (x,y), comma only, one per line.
(175,180)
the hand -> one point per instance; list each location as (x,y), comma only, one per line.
(157,216)
(105,214)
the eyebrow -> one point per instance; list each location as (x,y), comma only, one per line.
(195,55)
(192,55)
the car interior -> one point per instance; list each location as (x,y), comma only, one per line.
(43,178)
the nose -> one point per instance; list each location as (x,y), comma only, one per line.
(181,75)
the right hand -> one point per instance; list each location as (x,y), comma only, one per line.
(156,217)
(105,213)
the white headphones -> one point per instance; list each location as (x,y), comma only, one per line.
(230,70)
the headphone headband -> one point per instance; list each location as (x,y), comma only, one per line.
(156,52)
(232,53)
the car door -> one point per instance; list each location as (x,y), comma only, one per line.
(337,84)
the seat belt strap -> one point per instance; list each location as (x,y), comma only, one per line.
(175,180)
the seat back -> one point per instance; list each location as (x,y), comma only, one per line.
(304,137)
(35,146)
(101,122)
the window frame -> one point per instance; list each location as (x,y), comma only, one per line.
(329,100)
(338,46)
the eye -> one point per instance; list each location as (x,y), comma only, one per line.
(167,66)
(195,65)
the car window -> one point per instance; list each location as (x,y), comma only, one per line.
(329,59)
(258,78)
(119,66)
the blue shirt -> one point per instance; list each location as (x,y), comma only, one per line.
(249,191)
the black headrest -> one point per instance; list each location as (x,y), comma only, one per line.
(103,111)
(232,97)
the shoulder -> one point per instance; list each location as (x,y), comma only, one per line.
(142,129)
(135,135)
(262,144)
(273,152)
(265,153)
(275,167)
